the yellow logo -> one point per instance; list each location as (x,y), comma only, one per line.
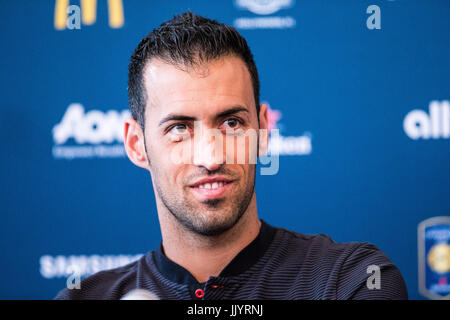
(89,13)
(439,258)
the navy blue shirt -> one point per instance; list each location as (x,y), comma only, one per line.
(278,264)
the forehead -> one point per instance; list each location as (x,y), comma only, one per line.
(198,90)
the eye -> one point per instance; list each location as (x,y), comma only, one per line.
(232,123)
(179,129)
(179,132)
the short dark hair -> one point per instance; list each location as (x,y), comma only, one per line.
(187,39)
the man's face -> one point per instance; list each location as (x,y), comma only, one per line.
(206,196)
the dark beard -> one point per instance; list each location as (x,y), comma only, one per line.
(189,219)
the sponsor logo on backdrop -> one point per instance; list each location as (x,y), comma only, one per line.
(70,16)
(264,6)
(418,124)
(265,10)
(92,134)
(60,266)
(287,145)
(434,257)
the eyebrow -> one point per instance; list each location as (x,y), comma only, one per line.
(231,111)
(180,117)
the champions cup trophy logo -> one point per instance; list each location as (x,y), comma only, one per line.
(63,11)
(264,7)
(434,257)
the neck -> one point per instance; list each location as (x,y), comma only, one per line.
(206,256)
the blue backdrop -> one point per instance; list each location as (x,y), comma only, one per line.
(361,98)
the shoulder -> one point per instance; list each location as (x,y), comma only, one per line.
(367,273)
(104,285)
(315,248)
(348,270)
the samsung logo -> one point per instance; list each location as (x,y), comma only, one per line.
(84,265)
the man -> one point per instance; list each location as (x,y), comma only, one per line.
(192,83)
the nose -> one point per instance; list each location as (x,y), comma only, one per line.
(208,148)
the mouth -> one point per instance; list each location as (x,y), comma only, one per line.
(211,188)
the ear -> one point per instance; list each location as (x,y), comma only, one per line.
(264,129)
(134,143)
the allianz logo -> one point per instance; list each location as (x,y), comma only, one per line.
(264,7)
(435,124)
(92,127)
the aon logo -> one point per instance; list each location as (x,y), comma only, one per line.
(434,125)
(92,127)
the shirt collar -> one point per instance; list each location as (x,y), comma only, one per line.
(240,263)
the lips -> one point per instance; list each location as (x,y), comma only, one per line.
(211,188)
(210,181)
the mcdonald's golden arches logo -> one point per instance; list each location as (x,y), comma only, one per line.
(88,13)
